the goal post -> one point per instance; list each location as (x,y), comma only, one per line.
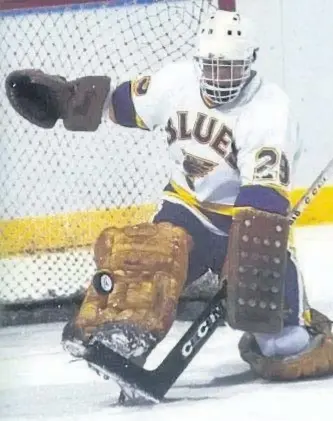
(60,189)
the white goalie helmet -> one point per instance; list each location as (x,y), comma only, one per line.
(226,49)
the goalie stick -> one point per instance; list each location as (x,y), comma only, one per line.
(152,385)
(312,192)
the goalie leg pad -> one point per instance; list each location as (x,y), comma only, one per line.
(314,361)
(255,271)
(147,264)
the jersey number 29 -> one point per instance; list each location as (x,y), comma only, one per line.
(272,166)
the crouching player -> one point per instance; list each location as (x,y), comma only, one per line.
(225,208)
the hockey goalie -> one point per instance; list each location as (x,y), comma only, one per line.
(224,209)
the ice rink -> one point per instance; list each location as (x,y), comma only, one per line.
(39,381)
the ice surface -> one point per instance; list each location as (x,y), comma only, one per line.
(38,380)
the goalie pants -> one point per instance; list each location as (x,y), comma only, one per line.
(210,248)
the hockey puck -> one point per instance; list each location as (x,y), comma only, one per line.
(103,282)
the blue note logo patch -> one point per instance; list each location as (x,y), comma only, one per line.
(196,167)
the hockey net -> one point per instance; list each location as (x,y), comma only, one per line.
(60,189)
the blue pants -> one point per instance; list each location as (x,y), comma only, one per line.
(210,249)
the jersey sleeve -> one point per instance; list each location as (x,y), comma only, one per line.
(143,102)
(150,96)
(265,154)
(265,148)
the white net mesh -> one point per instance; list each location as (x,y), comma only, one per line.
(60,189)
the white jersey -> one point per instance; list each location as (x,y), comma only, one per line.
(217,150)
